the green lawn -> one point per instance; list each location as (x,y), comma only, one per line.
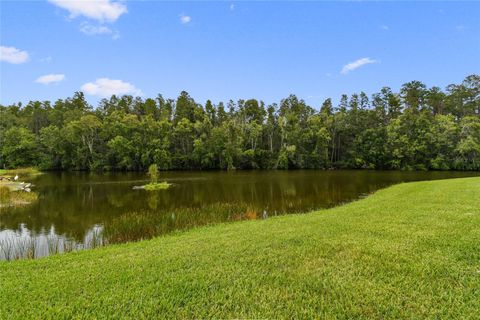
(409,251)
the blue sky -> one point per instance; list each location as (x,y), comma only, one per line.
(232,50)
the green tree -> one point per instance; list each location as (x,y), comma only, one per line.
(468,148)
(415,128)
(83,135)
(19,148)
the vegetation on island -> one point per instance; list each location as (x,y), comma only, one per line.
(154,185)
(416,128)
(408,251)
(153,173)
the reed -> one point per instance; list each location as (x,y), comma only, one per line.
(139,225)
(131,226)
(10,198)
(36,246)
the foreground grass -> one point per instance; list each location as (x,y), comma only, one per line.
(409,251)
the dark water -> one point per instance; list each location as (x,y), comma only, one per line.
(76,206)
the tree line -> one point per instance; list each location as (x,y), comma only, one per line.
(417,128)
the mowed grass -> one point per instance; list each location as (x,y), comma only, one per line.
(409,251)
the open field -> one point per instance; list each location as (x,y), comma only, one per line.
(408,251)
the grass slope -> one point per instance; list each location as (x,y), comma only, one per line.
(409,251)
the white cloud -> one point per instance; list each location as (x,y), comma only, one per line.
(385,27)
(185,19)
(102,10)
(46,59)
(232,7)
(105,87)
(13,55)
(357,64)
(91,30)
(50,78)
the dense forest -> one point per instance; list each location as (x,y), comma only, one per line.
(418,128)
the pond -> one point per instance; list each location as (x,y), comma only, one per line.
(83,210)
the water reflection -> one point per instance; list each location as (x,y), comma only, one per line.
(25,244)
(73,206)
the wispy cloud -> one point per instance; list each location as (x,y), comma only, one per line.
(101,10)
(232,7)
(460,28)
(184,19)
(105,87)
(50,78)
(385,27)
(92,30)
(316,96)
(46,59)
(13,55)
(357,64)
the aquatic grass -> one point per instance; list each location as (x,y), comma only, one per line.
(406,252)
(5,195)
(53,244)
(95,238)
(29,247)
(15,198)
(15,248)
(130,227)
(7,251)
(146,224)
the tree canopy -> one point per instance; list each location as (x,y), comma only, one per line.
(417,128)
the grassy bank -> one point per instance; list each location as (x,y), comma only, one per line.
(19,171)
(9,196)
(409,251)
